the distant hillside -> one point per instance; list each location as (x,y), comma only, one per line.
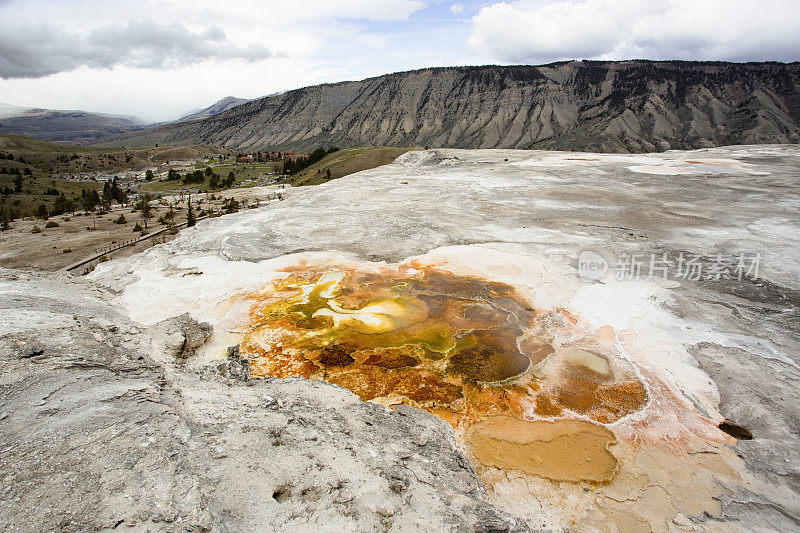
(40,165)
(345,162)
(7,110)
(74,127)
(57,158)
(628,106)
(214,109)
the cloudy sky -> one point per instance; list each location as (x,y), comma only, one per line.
(158,59)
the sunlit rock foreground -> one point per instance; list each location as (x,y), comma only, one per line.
(462,340)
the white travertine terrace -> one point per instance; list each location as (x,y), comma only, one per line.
(706,350)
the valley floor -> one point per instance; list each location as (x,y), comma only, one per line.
(31,244)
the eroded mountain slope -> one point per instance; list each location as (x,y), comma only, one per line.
(634,106)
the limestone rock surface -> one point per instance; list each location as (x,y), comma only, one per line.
(95,435)
(179,336)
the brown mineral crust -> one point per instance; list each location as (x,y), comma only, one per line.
(483,400)
(545,407)
(621,398)
(391,358)
(421,386)
(339,354)
(279,364)
(576,393)
(536,349)
(562,450)
(458,347)
(601,398)
(493,357)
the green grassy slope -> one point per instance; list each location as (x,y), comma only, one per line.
(347,161)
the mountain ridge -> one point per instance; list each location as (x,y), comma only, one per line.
(64,126)
(625,106)
(223,104)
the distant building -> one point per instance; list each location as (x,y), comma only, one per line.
(181,166)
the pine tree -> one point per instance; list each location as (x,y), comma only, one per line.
(4,220)
(145,209)
(190,219)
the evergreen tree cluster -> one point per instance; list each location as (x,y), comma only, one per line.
(89,199)
(113,192)
(191,220)
(230,205)
(6,217)
(18,181)
(294,166)
(62,205)
(194,177)
(214,179)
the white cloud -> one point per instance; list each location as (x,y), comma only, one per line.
(44,50)
(159,58)
(40,37)
(457,9)
(105,59)
(539,31)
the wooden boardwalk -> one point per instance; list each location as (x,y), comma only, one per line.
(118,246)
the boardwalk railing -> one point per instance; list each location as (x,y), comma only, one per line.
(135,240)
(114,247)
